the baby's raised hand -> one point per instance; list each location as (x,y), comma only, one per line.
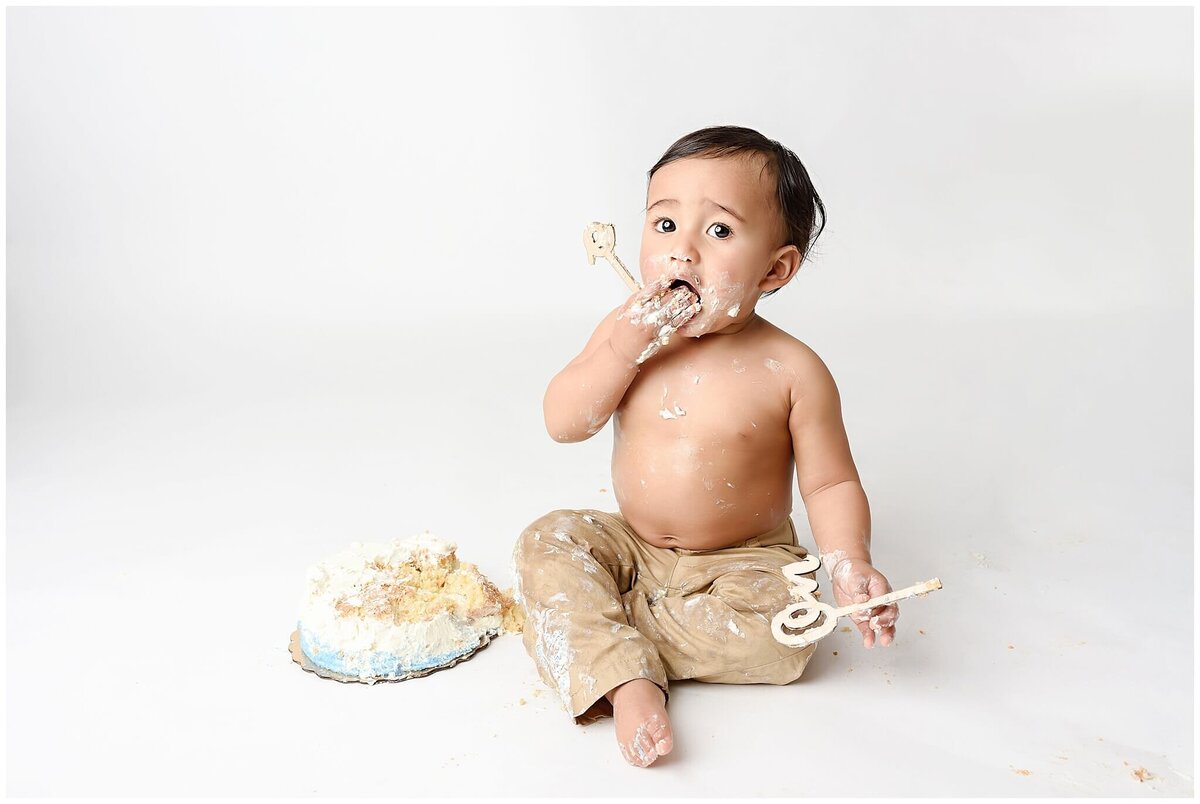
(649,319)
(856,581)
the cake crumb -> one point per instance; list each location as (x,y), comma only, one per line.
(1010,647)
(919,631)
(512,614)
(835,653)
(1021,771)
(603,491)
(845,629)
(521,701)
(1141,774)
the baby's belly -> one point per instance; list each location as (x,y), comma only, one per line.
(701,495)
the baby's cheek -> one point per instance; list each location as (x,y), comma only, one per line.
(726,298)
(722,295)
(652,271)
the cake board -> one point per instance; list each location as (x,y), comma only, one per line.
(299,657)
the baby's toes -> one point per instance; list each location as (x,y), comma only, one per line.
(645,747)
(660,734)
(639,752)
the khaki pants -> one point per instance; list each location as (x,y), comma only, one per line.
(604,607)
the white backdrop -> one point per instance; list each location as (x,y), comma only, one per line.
(280,279)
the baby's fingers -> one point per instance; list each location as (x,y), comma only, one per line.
(883,623)
(656,288)
(642,301)
(868,636)
(862,615)
(862,619)
(683,316)
(884,634)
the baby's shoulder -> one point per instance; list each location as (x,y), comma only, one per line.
(802,370)
(789,351)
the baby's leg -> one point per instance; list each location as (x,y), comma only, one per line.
(717,626)
(572,568)
(752,654)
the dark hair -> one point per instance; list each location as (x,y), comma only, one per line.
(795,195)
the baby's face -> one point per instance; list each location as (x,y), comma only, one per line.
(713,223)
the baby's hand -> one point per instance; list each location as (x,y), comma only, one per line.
(650,317)
(856,581)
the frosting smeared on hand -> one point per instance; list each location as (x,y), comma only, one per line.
(659,310)
(856,581)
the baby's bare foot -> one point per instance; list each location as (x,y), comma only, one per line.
(643,728)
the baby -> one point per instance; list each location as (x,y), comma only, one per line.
(683,581)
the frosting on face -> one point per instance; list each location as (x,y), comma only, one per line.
(715,222)
(721,296)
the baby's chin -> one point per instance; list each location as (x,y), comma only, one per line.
(712,318)
(702,324)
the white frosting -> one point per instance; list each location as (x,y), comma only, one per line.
(345,573)
(361,570)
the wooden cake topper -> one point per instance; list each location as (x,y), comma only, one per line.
(801,623)
(600,240)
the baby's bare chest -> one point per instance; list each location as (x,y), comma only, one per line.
(710,397)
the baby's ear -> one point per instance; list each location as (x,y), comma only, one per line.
(784,266)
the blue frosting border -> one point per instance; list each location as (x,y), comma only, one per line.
(381,663)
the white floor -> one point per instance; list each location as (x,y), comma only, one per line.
(1040,468)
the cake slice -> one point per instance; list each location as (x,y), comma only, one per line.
(388,611)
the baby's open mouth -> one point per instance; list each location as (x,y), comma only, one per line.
(682,283)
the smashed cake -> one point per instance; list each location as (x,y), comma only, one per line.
(393,610)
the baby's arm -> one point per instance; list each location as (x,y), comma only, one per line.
(582,397)
(837,507)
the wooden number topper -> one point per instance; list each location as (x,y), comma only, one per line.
(600,240)
(801,623)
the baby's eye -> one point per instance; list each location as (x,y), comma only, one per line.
(664,225)
(720,231)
